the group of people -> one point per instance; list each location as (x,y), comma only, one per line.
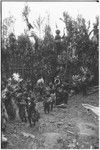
(49,102)
(27,107)
(21,98)
(26,100)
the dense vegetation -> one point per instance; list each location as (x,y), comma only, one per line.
(78,52)
(64,64)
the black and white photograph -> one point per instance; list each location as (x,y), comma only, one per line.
(50,74)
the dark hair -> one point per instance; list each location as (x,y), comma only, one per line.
(57,31)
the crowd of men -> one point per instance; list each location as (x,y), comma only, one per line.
(26,99)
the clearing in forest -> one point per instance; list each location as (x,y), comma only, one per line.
(70,127)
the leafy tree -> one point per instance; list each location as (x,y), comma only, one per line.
(7,26)
(79,48)
(8,54)
(38,24)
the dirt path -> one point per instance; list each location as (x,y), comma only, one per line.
(71,127)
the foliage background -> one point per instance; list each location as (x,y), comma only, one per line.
(77,50)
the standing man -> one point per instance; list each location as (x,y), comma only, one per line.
(58,42)
(31,110)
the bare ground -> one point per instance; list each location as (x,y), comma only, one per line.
(63,128)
